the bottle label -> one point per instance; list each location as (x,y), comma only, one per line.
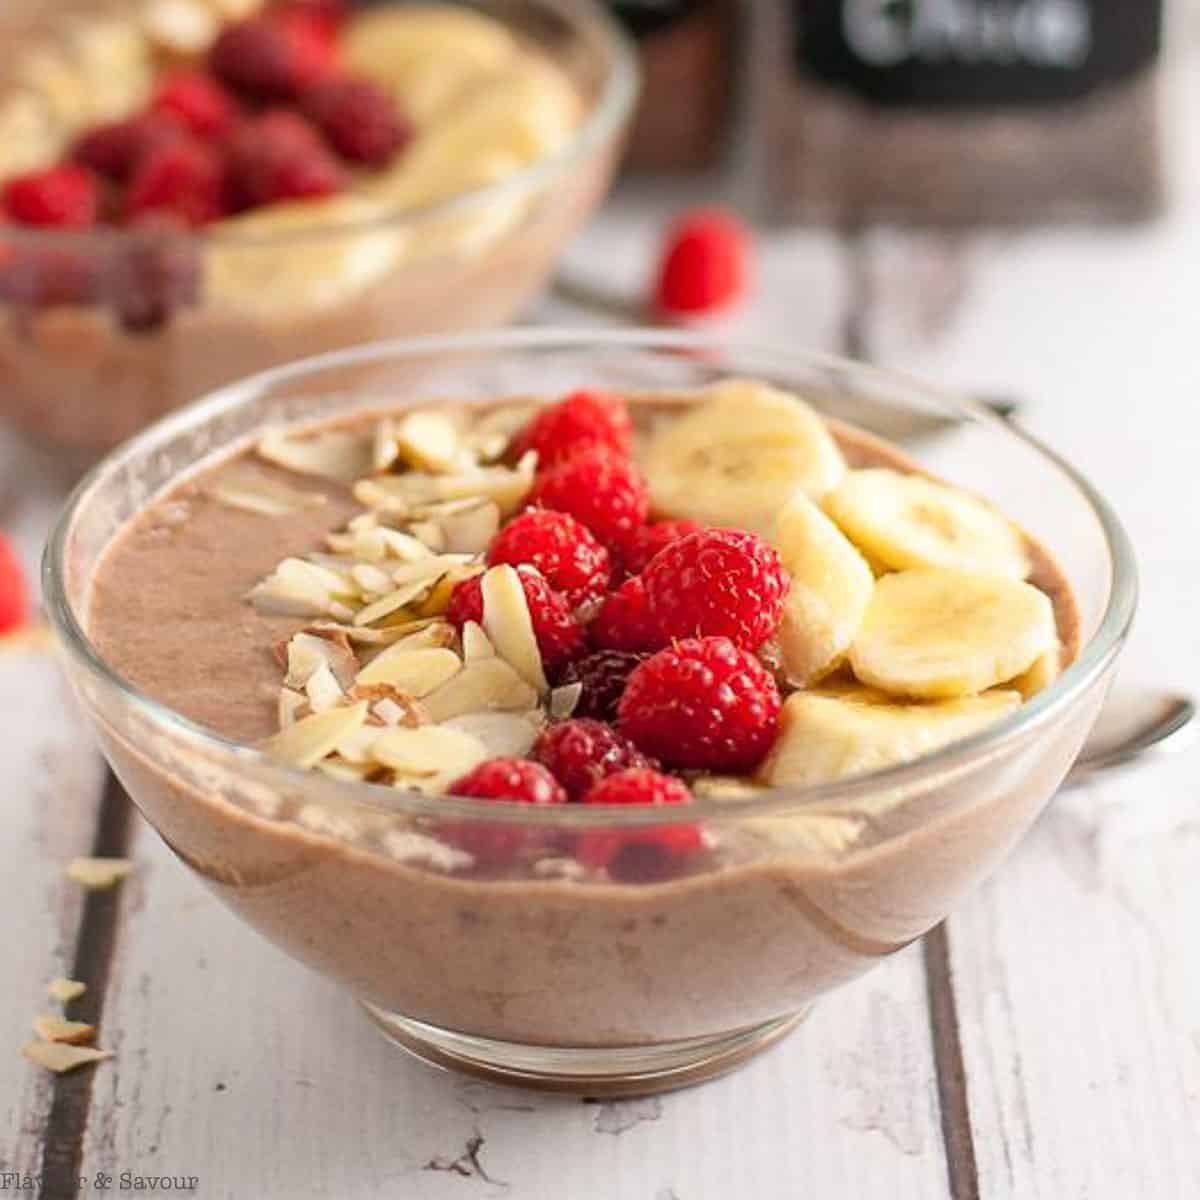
(976,53)
(645,17)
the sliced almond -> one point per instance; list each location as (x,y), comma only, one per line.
(410,847)
(438,600)
(307,742)
(565,700)
(301,589)
(355,747)
(429,441)
(333,454)
(506,486)
(52,1028)
(507,623)
(98,874)
(470,530)
(59,1058)
(268,498)
(432,750)
(391,495)
(346,772)
(65,990)
(320,818)
(186,27)
(416,671)
(371,580)
(306,652)
(431,534)
(389,705)
(292,706)
(426,570)
(384,450)
(476,644)
(382,636)
(322,689)
(489,685)
(504,735)
(391,603)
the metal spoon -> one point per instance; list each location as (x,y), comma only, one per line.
(1132,726)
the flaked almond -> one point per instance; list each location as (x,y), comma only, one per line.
(65,990)
(489,685)
(560,868)
(506,486)
(322,689)
(384,450)
(475,643)
(301,589)
(470,530)
(314,738)
(98,874)
(504,735)
(393,495)
(52,1028)
(384,635)
(427,570)
(507,623)
(292,706)
(185,27)
(346,772)
(499,427)
(565,700)
(416,671)
(429,442)
(320,818)
(392,603)
(332,454)
(371,580)
(420,850)
(438,600)
(60,1058)
(389,705)
(434,754)
(306,652)
(430,534)
(265,497)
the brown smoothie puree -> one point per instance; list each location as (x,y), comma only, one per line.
(780,910)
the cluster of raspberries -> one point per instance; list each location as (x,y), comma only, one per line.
(659,622)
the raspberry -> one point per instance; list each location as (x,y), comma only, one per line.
(643,852)
(279,156)
(603,676)
(273,58)
(331,14)
(704,264)
(604,491)
(559,636)
(359,120)
(154,272)
(717,583)
(580,753)
(14,592)
(510,779)
(185,178)
(115,150)
(583,421)
(566,554)
(703,703)
(63,197)
(624,623)
(650,539)
(198,102)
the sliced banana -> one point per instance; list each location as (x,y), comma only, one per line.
(1045,670)
(831,587)
(905,521)
(828,736)
(30,137)
(312,255)
(740,457)
(936,633)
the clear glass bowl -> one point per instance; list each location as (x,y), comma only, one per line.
(86,376)
(541,976)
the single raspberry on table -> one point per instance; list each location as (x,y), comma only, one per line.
(503,779)
(603,490)
(559,636)
(358,118)
(279,156)
(61,197)
(582,421)
(702,703)
(624,621)
(602,676)
(650,539)
(273,58)
(717,583)
(579,753)
(563,550)
(704,266)
(198,102)
(14,591)
(186,178)
(644,852)
(115,150)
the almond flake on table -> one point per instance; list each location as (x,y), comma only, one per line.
(98,874)
(60,1058)
(53,1028)
(65,990)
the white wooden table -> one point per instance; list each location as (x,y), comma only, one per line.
(1043,1045)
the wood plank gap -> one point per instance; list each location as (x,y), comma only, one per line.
(951,1071)
(860,294)
(62,1150)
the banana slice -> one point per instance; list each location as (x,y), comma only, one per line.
(829,736)
(319,268)
(905,521)
(30,138)
(1045,670)
(739,458)
(936,634)
(831,587)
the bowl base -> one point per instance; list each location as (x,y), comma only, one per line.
(600,1072)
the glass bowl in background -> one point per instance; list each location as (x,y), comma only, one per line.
(542,974)
(230,302)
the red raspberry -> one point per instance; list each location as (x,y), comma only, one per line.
(624,623)
(280,156)
(359,120)
(643,852)
(703,703)
(115,150)
(603,676)
(63,197)
(559,636)
(154,272)
(14,592)
(508,779)
(717,583)
(564,551)
(185,178)
(704,266)
(331,14)
(198,102)
(273,58)
(604,491)
(650,539)
(580,753)
(583,421)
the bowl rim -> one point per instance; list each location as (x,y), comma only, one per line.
(606,116)
(836,798)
